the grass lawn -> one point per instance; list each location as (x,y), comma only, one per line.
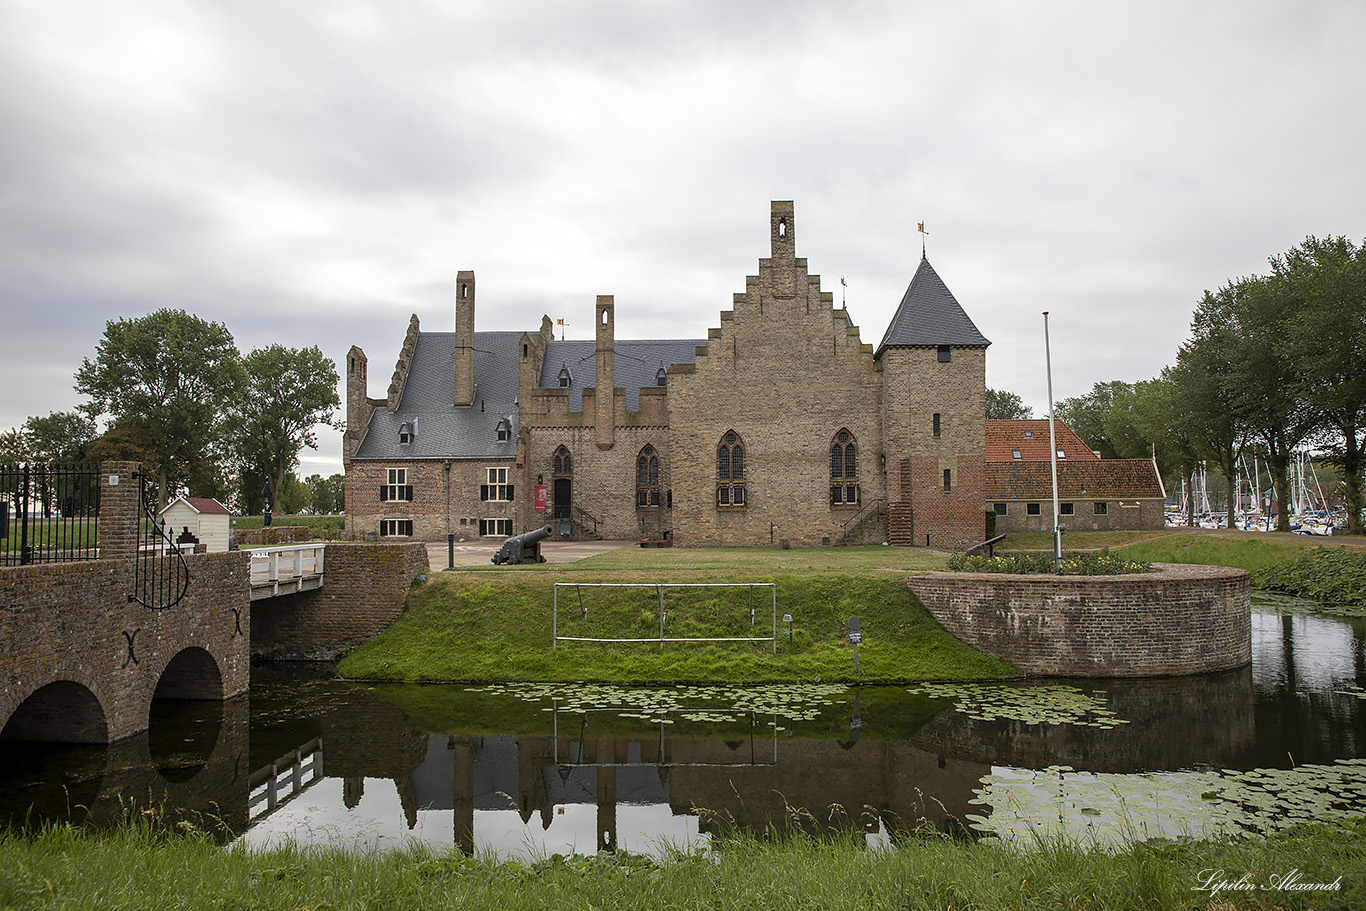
(495,623)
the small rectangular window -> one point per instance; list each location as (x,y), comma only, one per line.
(948,479)
(1062,454)
(1000,508)
(501,528)
(1014,453)
(936,425)
(1101,509)
(497,489)
(397,487)
(395,528)
(1065,509)
(945,355)
(1031,509)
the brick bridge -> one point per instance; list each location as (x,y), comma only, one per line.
(80,661)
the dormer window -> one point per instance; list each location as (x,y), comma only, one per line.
(1029,434)
(661,377)
(1014,453)
(565,378)
(406,432)
(504,431)
(1062,454)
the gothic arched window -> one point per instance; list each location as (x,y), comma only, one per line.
(730,470)
(843,470)
(647,477)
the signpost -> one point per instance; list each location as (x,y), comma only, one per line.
(855,637)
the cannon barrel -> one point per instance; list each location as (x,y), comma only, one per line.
(523,548)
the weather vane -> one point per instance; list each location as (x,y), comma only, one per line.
(843,288)
(561,324)
(920,226)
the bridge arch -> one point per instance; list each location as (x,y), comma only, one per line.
(192,673)
(60,712)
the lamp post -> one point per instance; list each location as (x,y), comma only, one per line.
(1052,447)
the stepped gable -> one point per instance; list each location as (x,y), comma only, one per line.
(1029,437)
(443,430)
(1097,479)
(929,314)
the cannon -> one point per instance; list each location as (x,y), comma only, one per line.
(523,548)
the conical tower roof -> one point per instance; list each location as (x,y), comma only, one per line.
(930,315)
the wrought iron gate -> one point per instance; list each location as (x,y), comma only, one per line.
(160,576)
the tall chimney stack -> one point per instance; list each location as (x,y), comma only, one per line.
(464,338)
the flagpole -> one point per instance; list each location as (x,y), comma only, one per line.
(1052,447)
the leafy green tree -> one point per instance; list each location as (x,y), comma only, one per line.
(1006,406)
(326,493)
(13,447)
(1326,280)
(290,392)
(1099,418)
(171,372)
(62,436)
(293,496)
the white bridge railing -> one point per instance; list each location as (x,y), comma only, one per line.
(285,570)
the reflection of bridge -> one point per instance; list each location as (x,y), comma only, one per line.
(284,779)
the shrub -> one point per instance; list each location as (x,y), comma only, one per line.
(1091,563)
(1331,575)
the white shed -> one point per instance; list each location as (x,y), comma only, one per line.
(203,518)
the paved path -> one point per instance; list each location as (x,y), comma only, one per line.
(479,553)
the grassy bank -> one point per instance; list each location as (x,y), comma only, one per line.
(497,625)
(137,869)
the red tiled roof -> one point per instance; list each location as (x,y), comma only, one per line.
(1003,437)
(206,506)
(1108,479)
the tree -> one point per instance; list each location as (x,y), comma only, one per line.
(62,436)
(1006,406)
(290,392)
(326,492)
(13,447)
(1326,279)
(171,372)
(1090,417)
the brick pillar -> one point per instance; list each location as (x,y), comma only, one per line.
(464,338)
(120,509)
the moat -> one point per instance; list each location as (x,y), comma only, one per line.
(533,770)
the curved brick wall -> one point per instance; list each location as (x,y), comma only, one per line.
(1177,619)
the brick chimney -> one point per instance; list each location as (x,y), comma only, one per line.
(464,338)
(604,398)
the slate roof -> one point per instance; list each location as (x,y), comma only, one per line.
(636,364)
(1004,437)
(468,432)
(1097,479)
(930,315)
(443,430)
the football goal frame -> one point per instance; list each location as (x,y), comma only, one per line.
(660,588)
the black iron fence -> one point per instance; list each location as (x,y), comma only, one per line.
(49,513)
(160,575)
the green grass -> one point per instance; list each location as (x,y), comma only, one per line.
(320,523)
(1241,551)
(496,624)
(139,868)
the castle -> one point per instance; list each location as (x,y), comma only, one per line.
(781,425)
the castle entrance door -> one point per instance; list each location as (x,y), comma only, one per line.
(562,498)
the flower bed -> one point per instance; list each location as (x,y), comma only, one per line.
(1089,563)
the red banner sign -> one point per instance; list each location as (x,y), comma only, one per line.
(540,499)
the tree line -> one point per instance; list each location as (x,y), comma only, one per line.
(172,391)
(1274,363)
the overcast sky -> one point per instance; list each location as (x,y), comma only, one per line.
(314,172)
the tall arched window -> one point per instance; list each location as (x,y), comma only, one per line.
(647,477)
(562,466)
(561,484)
(730,470)
(843,470)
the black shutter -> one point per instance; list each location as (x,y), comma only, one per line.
(509,491)
(383,493)
(483,495)
(408,492)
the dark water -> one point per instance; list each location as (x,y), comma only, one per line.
(532,771)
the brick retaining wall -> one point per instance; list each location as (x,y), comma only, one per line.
(365,587)
(1178,619)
